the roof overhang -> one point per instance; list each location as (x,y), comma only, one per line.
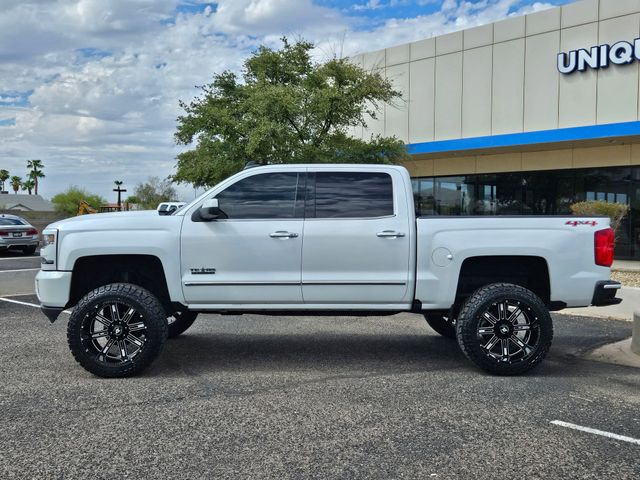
(587,136)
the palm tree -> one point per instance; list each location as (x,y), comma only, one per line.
(28,185)
(16,183)
(4,176)
(36,167)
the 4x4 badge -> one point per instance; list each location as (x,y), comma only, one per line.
(575,223)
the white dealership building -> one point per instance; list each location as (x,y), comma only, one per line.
(522,116)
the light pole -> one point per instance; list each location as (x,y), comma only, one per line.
(119,190)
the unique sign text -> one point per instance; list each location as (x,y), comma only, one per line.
(602,56)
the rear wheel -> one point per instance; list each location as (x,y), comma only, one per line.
(441,324)
(117,330)
(179,322)
(504,329)
(29,250)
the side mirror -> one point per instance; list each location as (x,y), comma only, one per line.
(208,212)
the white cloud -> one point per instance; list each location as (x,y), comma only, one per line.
(105,76)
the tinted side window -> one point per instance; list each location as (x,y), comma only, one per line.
(353,195)
(267,195)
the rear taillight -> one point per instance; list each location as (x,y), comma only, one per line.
(4,234)
(32,231)
(604,244)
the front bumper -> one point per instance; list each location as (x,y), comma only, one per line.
(53,289)
(605,293)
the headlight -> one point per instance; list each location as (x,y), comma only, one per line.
(48,249)
(48,239)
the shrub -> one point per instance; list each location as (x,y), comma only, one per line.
(615,211)
(68,201)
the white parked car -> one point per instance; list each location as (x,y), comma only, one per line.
(318,239)
(16,232)
(168,208)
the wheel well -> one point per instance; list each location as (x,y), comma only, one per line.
(531,273)
(94,271)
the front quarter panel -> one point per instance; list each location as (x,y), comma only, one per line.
(136,235)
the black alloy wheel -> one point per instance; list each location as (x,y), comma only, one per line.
(505,329)
(117,330)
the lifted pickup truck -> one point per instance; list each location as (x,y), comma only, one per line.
(340,239)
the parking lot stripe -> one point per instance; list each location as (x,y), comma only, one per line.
(20,270)
(18,258)
(602,433)
(11,300)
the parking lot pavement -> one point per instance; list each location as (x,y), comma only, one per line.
(333,397)
(15,260)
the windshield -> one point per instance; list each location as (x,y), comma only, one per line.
(11,221)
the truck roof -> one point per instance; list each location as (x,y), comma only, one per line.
(327,166)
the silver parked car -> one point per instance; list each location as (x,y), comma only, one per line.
(17,233)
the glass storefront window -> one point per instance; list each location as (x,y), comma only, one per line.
(424,196)
(536,193)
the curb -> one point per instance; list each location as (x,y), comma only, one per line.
(618,353)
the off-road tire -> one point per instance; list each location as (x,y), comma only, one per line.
(441,324)
(472,316)
(151,314)
(179,322)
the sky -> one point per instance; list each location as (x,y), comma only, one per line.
(91,87)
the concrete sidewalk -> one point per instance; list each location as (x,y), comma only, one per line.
(626,266)
(624,311)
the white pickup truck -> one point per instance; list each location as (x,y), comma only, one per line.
(308,239)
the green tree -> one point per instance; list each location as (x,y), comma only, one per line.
(154,191)
(35,171)
(28,185)
(4,176)
(16,183)
(68,201)
(286,109)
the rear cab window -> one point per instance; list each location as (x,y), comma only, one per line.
(349,195)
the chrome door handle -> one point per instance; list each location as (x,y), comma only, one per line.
(282,234)
(390,234)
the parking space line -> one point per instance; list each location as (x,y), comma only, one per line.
(17,258)
(602,433)
(11,300)
(20,270)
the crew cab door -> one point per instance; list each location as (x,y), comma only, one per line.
(254,255)
(356,238)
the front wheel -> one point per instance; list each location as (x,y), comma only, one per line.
(504,329)
(117,330)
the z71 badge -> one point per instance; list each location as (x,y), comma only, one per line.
(575,223)
(203,271)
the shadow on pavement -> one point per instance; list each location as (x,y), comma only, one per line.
(13,253)
(196,353)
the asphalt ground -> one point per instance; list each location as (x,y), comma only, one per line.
(16,260)
(331,397)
